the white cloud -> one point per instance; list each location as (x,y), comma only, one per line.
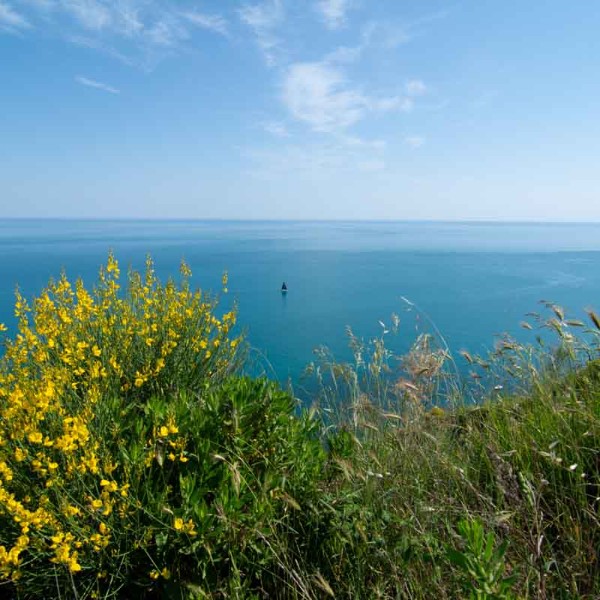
(264,15)
(318,94)
(415,141)
(333,12)
(130,20)
(214,23)
(415,87)
(10,20)
(138,32)
(90,13)
(167,31)
(99,46)
(263,19)
(97,85)
(392,34)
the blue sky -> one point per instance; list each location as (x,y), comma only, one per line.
(300,109)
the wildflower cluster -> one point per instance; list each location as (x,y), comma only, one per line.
(77,431)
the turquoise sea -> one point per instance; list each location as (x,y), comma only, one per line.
(473,280)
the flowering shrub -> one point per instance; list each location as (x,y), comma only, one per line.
(96,393)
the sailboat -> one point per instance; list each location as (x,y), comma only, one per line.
(284,288)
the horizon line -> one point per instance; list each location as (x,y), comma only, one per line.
(308,220)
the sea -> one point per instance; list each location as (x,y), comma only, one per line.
(469,282)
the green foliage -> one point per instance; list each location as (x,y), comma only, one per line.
(482,563)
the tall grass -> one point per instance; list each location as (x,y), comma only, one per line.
(417,451)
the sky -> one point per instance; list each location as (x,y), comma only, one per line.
(300,109)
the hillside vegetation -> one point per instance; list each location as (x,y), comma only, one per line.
(138,462)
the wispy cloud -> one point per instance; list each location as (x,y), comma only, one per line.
(167,31)
(333,12)
(10,20)
(263,18)
(392,34)
(214,23)
(318,94)
(97,85)
(91,14)
(139,32)
(99,46)
(322,96)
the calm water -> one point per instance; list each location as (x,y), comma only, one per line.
(473,280)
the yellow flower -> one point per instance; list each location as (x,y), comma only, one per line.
(35,437)
(163,431)
(72,511)
(73,565)
(185,270)
(178,524)
(189,528)
(112,266)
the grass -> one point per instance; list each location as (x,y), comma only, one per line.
(526,468)
(403,480)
